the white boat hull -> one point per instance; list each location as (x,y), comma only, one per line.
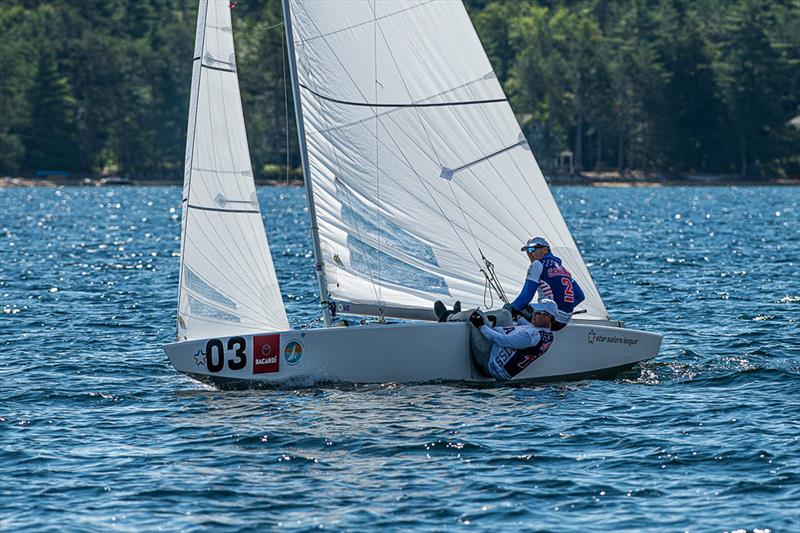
(414,352)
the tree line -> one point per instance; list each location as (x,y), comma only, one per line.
(668,86)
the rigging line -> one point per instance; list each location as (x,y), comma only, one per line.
(502,205)
(302,42)
(492,279)
(227,242)
(285,94)
(373,6)
(513,217)
(572,257)
(411,194)
(408,91)
(424,128)
(407,191)
(519,170)
(441,211)
(344,69)
(335,55)
(533,194)
(224,252)
(407,164)
(255,268)
(245,288)
(497,173)
(185,223)
(464,215)
(377,105)
(422,61)
(340,179)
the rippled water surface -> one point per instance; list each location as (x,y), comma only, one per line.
(98,431)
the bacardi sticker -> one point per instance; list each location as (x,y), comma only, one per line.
(266,353)
(292,352)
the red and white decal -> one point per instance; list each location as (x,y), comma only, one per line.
(266,353)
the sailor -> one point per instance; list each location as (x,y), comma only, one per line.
(516,347)
(551,280)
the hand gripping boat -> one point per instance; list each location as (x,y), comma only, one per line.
(420,188)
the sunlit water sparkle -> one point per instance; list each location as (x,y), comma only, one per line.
(98,431)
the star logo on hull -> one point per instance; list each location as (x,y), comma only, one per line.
(200,358)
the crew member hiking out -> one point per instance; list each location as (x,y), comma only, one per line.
(551,280)
(516,347)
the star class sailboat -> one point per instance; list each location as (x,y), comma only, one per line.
(417,176)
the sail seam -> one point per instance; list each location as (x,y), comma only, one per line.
(433,104)
(386,113)
(321,35)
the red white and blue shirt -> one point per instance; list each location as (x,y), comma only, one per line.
(515,347)
(550,279)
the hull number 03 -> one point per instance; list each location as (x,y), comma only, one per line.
(216,355)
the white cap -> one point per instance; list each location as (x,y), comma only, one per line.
(535,242)
(546,305)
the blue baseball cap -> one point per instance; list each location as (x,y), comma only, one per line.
(535,242)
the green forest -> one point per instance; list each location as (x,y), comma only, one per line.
(671,87)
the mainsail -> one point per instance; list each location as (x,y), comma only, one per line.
(417,163)
(228,283)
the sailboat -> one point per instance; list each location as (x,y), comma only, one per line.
(420,186)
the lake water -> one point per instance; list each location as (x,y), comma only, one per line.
(99,432)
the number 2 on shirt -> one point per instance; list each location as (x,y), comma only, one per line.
(569,296)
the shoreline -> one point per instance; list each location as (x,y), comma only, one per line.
(584,180)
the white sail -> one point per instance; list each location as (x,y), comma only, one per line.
(228,283)
(416,160)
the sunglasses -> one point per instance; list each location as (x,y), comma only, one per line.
(534,248)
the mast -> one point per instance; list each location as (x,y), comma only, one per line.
(301,133)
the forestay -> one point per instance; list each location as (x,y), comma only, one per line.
(228,283)
(416,159)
